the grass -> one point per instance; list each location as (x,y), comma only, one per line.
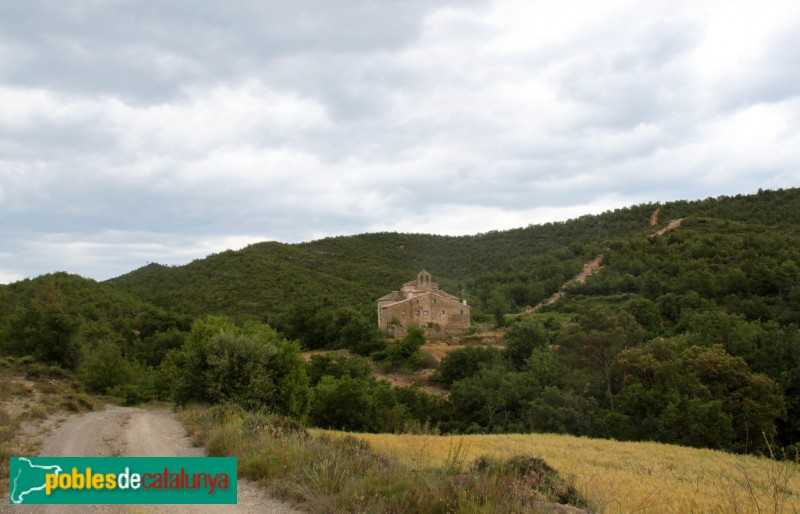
(620,476)
(341,473)
(31,392)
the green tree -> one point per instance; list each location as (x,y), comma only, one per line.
(522,338)
(498,305)
(338,365)
(105,368)
(46,333)
(492,401)
(466,362)
(355,404)
(406,352)
(698,396)
(597,339)
(249,365)
(647,315)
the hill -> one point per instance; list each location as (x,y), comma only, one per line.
(513,268)
(685,334)
(60,318)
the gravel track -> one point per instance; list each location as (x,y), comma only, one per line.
(128,431)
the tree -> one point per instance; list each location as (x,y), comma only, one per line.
(597,339)
(522,338)
(647,315)
(466,362)
(406,352)
(699,396)
(104,368)
(338,365)
(357,333)
(492,401)
(46,333)
(498,305)
(355,404)
(249,365)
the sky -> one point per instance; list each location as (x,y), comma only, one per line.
(162,131)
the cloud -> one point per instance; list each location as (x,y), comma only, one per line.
(101,254)
(135,132)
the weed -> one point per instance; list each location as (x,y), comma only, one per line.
(49,387)
(38,412)
(770,489)
(38,370)
(456,456)
(8,426)
(341,472)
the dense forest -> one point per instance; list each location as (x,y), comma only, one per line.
(689,336)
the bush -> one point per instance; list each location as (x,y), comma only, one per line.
(361,405)
(406,353)
(248,365)
(522,338)
(466,362)
(337,365)
(105,368)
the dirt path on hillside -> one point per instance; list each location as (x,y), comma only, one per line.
(672,225)
(589,268)
(127,431)
(654,217)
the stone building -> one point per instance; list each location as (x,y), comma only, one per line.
(421,303)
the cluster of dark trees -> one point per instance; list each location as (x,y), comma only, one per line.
(690,337)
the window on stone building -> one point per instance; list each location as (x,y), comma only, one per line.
(424,313)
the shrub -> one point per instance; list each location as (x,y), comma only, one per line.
(249,365)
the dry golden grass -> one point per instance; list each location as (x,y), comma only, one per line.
(623,476)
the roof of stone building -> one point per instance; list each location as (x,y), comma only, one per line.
(394,296)
(414,289)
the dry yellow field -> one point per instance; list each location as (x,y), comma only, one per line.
(622,476)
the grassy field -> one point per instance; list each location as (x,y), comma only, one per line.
(342,474)
(621,476)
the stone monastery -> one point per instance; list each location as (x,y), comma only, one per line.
(421,303)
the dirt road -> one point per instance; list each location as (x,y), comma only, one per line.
(127,431)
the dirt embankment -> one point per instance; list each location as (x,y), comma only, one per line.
(127,431)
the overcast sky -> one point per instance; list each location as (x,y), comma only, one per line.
(162,131)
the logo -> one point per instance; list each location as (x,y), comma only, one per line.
(122,480)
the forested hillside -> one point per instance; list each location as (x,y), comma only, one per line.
(504,269)
(687,335)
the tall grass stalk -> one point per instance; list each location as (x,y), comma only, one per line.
(340,473)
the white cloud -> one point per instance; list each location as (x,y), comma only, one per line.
(100,255)
(279,121)
(223,115)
